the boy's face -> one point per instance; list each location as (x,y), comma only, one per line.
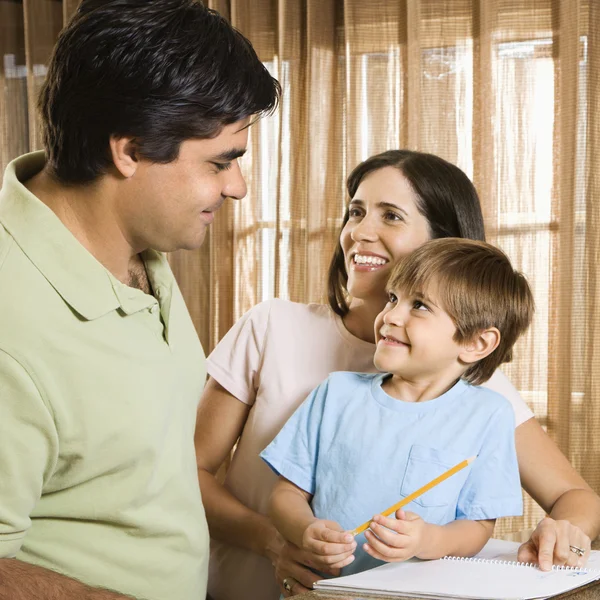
(414,337)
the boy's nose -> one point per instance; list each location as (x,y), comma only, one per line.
(396,316)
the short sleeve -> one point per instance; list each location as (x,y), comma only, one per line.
(493,487)
(501,384)
(293,453)
(28,452)
(236,361)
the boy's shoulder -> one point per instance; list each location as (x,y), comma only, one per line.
(351,379)
(487,399)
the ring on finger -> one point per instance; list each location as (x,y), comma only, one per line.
(288,583)
(577,550)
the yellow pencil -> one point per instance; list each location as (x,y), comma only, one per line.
(419,492)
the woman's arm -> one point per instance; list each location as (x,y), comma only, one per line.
(573,507)
(219,423)
(220,420)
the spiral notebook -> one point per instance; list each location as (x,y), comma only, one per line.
(493,574)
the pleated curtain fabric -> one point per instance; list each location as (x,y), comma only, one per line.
(507,89)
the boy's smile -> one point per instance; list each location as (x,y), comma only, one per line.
(387,338)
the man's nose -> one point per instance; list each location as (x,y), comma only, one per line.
(235,187)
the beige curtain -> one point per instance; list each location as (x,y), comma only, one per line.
(507,89)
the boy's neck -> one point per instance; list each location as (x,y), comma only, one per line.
(420,390)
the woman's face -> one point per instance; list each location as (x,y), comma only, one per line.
(384,226)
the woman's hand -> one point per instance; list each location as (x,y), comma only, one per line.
(291,565)
(556,542)
(395,540)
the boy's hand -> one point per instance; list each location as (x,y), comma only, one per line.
(395,540)
(329,545)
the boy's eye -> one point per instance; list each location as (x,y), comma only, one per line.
(418,305)
(392,298)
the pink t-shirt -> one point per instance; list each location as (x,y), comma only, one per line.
(271,359)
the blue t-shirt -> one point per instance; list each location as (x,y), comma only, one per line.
(357,450)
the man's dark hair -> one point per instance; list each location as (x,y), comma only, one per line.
(160,71)
(445,197)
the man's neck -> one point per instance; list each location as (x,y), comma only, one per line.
(88,212)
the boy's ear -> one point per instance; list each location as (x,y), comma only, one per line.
(482,345)
(124,155)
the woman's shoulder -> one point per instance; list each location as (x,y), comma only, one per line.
(286,310)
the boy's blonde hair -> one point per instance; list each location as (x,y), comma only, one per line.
(478,288)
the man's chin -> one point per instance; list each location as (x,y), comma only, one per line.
(191,243)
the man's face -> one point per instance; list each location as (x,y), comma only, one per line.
(169,206)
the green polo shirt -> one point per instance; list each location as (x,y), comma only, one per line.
(99,384)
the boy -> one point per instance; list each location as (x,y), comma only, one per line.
(361,442)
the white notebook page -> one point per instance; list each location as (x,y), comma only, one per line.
(484,577)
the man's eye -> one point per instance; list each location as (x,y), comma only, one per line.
(222,166)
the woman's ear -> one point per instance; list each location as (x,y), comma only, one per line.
(480,346)
(124,155)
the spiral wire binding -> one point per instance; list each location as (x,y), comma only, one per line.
(514,563)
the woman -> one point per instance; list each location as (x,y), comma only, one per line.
(279,351)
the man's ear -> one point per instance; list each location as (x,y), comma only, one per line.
(482,345)
(124,155)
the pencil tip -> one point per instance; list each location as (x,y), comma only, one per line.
(470,460)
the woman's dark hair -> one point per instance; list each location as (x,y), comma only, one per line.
(446,198)
(160,71)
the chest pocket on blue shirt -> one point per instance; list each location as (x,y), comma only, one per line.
(423,465)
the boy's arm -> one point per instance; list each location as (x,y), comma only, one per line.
(408,535)
(326,541)
(290,510)
(458,538)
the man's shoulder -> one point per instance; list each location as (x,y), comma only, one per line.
(26,298)
(13,262)
(6,242)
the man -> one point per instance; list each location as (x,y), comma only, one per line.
(145,111)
